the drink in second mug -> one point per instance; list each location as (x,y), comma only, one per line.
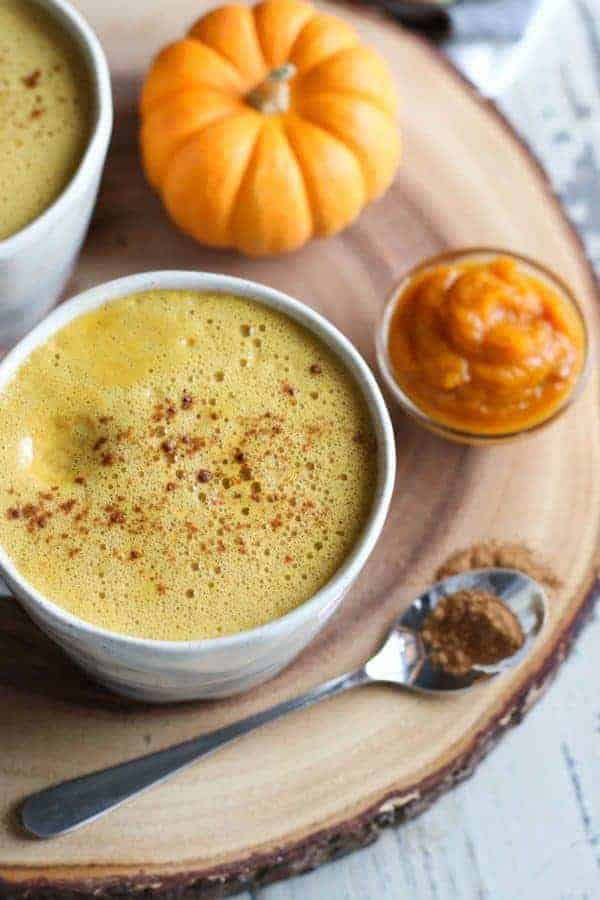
(55,122)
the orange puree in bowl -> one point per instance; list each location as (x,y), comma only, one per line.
(484,345)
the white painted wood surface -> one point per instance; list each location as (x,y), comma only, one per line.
(527,825)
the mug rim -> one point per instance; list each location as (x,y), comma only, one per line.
(95,60)
(316,323)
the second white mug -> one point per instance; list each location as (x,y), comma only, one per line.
(36,262)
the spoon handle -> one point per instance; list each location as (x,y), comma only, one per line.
(68,805)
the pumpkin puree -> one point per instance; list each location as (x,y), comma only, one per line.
(485,346)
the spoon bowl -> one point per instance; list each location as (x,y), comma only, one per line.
(403,658)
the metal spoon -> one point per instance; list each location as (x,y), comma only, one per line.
(402,660)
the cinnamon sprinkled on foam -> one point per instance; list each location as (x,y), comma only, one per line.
(206,498)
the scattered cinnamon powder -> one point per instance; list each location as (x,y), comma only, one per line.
(116,516)
(470,628)
(187,401)
(32,79)
(503,555)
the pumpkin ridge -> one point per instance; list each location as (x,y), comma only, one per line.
(255,169)
(222,52)
(234,200)
(218,53)
(344,138)
(234,90)
(324,59)
(194,134)
(346,148)
(332,133)
(204,140)
(259,43)
(152,107)
(310,15)
(304,83)
(356,95)
(310,199)
(329,134)
(227,106)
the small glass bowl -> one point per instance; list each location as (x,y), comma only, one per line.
(425,419)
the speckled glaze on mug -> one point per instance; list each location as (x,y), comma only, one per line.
(160,671)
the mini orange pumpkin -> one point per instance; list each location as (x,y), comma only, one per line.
(267,126)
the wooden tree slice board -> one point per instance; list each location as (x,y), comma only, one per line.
(323,781)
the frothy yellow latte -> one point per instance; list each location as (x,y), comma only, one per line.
(45,113)
(180,465)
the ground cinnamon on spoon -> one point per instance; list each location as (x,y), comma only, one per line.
(469,628)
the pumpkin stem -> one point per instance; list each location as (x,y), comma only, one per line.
(272,96)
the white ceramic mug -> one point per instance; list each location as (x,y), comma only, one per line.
(36,262)
(181,670)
